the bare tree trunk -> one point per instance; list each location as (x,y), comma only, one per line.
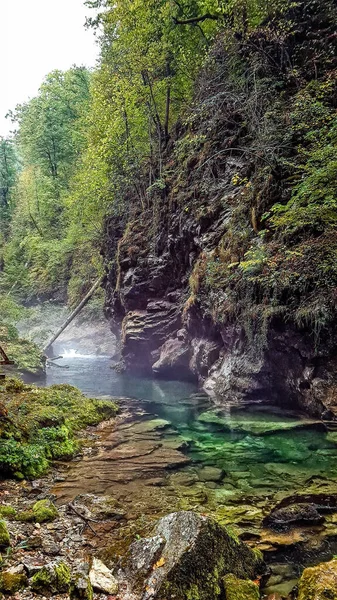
(73,314)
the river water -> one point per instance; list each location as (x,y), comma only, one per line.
(261,451)
(234,464)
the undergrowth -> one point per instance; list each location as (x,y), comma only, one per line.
(39,425)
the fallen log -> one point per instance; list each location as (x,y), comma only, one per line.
(73,314)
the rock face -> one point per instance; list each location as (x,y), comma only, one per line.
(175,286)
(319,583)
(186,558)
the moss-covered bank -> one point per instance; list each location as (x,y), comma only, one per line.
(42,424)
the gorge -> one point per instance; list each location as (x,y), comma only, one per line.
(181,441)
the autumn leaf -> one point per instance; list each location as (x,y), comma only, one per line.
(159,563)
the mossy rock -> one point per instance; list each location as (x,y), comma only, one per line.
(25,516)
(44,510)
(187,559)
(7,511)
(319,583)
(240,589)
(52,578)
(5,540)
(13,580)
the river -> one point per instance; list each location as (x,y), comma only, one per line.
(172,449)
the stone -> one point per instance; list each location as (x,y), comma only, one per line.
(4,535)
(174,358)
(12,580)
(282,589)
(319,583)
(293,515)
(210,474)
(240,589)
(81,588)
(101,578)
(50,547)
(44,510)
(186,558)
(52,578)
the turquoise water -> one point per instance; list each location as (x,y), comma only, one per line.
(259,450)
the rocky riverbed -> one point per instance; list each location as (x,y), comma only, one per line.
(137,469)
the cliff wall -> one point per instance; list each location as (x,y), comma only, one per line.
(227,272)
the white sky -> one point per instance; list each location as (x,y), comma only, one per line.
(37,36)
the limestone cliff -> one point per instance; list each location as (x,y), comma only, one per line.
(227,273)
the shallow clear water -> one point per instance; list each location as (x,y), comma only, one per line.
(260,451)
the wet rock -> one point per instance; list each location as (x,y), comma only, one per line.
(240,589)
(293,515)
(183,478)
(4,535)
(210,474)
(319,583)
(174,358)
(282,589)
(12,580)
(101,578)
(187,557)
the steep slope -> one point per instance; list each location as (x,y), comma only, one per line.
(228,273)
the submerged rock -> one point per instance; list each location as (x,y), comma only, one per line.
(211,474)
(319,583)
(293,515)
(186,558)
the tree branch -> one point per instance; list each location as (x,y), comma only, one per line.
(194,20)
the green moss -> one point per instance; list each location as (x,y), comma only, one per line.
(240,589)
(319,583)
(193,593)
(7,511)
(44,510)
(43,580)
(12,582)
(63,576)
(52,579)
(4,535)
(41,425)
(25,516)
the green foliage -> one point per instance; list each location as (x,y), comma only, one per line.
(42,425)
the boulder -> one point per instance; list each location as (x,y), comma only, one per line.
(319,583)
(187,557)
(174,358)
(101,578)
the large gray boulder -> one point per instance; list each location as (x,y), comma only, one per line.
(187,557)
